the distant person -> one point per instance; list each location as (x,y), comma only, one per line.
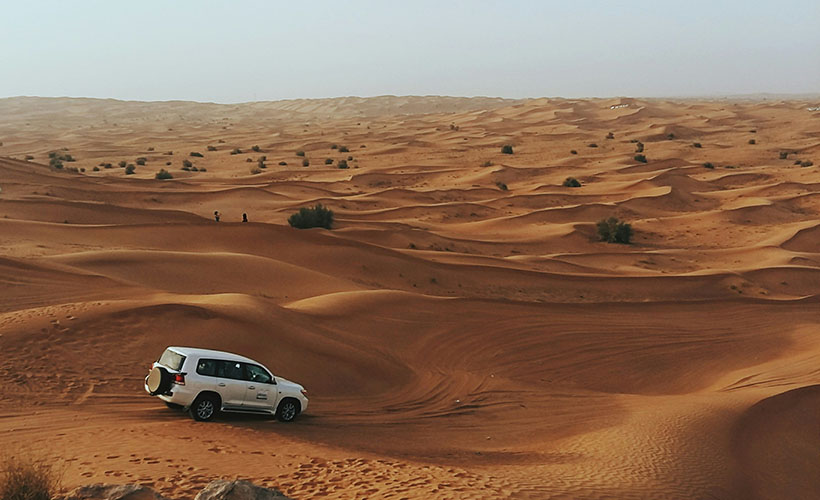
(244,217)
(216,215)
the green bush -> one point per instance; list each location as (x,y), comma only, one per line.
(612,230)
(670,136)
(256,149)
(697,145)
(640,158)
(334,146)
(317,216)
(283,163)
(96,169)
(343,149)
(187,164)
(141,160)
(305,162)
(163,174)
(501,186)
(573,152)
(122,164)
(639,147)
(130,169)
(300,153)
(806,163)
(236,151)
(708,165)
(26,479)
(572,182)
(328,161)
(196,154)
(610,135)
(752,141)
(342,164)
(211,148)
(592,145)
(507,149)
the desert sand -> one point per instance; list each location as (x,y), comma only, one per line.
(462,331)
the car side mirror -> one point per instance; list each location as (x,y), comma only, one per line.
(273,380)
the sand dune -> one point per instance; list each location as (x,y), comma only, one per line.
(462,331)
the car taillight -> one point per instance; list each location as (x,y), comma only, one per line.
(179,379)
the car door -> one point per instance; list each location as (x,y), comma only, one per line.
(260,388)
(231,383)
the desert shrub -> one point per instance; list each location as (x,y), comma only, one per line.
(130,169)
(187,164)
(122,164)
(334,146)
(29,157)
(263,158)
(317,216)
(96,169)
(806,163)
(342,164)
(27,479)
(592,145)
(248,160)
(633,141)
(501,186)
(194,169)
(697,145)
(56,163)
(168,153)
(256,149)
(363,146)
(186,168)
(141,161)
(82,169)
(797,162)
(573,152)
(196,154)
(487,163)
(203,169)
(507,149)
(572,182)
(236,151)
(612,230)
(708,165)
(261,164)
(784,155)
(163,174)
(328,161)
(349,158)
(670,136)
(108,165)
(305,162)
(211,148)
(150,149)
(610,135)
(639,147)
(640,158)
(300,153)
(167,163)
(283,163)
(752,141)
(68,157)
(343,149)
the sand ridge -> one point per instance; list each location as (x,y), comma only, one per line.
(462,331)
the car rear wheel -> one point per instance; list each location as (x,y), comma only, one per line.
(287,410)
(204,408)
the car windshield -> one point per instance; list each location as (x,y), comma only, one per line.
(171,359)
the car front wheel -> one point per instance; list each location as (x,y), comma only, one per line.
(287,411)
(204,408)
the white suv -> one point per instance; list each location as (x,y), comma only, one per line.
(204,382)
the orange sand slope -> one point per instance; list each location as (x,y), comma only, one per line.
(461,331)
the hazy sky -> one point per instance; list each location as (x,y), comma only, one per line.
(234,51)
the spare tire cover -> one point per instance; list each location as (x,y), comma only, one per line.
(159,380)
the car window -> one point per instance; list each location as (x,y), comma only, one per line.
(229,369)
(171,359)
(206,367)
(256,373)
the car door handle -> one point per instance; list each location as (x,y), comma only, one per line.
(222,384)
(251,387)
